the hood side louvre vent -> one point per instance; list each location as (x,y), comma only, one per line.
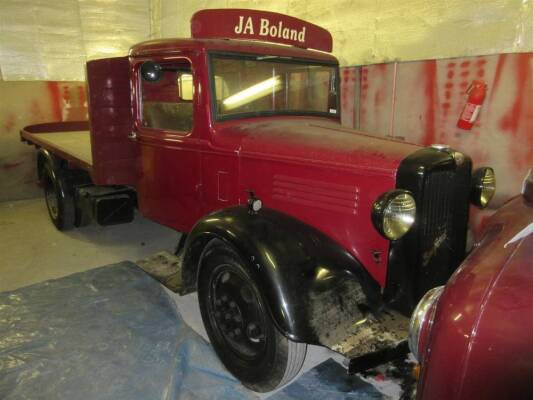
(323,195)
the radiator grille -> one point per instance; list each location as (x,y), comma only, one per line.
(429,253)
(436,213)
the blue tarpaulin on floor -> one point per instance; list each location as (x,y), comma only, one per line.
(114,333)
(108,333)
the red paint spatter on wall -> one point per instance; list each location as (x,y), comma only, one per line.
(81,95)
(11,165)
(36,112)
(480,73)
(55,100)
(498,74)
(10,122)
(510,121)
(430,70)
(364,95)
(344,90)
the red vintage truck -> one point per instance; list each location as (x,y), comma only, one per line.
(298,230)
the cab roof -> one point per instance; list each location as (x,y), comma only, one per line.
(175,46)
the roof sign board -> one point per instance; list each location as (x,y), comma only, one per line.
(232,23)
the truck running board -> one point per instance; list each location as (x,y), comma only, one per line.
(164,267)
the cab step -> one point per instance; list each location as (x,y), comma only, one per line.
(165,268)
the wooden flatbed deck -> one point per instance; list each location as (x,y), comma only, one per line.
(76,143)
(71,145)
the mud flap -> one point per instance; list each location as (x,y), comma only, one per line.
(165,268)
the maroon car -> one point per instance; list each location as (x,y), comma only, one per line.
(473,337)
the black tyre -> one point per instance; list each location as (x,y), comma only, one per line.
(58,196)
(239,325)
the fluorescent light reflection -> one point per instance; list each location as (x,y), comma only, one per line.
(252,93)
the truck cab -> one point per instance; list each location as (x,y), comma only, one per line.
(299,230)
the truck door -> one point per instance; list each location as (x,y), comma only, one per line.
(170,176)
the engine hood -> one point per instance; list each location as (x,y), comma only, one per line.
(315,140)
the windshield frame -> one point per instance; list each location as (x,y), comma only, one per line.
(268,57)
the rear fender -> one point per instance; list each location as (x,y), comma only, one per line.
(313,287)
(45,157)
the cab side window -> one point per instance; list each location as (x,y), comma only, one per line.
(166,101)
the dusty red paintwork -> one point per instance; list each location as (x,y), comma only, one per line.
(480,343)
(293,164)
(259,25)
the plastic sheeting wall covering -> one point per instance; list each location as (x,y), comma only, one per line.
(52,40)
(376,31)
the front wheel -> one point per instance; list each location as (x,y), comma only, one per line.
(239,325)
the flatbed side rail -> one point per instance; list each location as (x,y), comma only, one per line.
(62,126)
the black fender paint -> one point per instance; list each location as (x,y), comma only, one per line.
(58,175)
(311,284)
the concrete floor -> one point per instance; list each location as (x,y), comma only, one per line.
(32,250)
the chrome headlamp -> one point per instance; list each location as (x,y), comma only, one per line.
(421,321)
(483,186)
(393,213)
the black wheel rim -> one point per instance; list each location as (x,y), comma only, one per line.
(50,194)
(237,313)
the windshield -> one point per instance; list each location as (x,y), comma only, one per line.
(264,85)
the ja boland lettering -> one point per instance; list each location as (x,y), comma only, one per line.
(246,27)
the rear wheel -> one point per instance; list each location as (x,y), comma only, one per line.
(239,325)
(59,200)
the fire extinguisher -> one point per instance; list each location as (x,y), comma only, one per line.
(476,95)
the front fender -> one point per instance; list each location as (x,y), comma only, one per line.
(313,287)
